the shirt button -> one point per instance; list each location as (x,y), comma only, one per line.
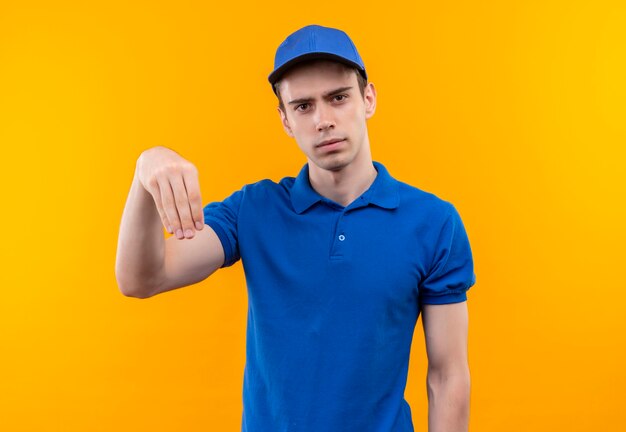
(342,237)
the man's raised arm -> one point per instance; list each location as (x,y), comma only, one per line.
(165,192)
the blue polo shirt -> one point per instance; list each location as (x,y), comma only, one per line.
(334,294)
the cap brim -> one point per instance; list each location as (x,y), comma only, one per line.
(278,73)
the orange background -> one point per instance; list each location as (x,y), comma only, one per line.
(513,111)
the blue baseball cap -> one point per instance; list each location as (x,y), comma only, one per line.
(315,42)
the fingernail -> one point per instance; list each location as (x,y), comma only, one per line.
(169,229)
(198,225)
(179,233)
(188,233)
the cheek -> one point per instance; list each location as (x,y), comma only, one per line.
(302,128)
(301,137)
(354,114)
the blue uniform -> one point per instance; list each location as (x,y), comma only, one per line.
(334,294)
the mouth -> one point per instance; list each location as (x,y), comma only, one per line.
(330,142)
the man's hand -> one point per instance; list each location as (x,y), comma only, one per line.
(173,183)
(164,192)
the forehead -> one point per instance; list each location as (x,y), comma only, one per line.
(311,78)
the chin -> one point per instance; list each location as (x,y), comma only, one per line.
(332,163)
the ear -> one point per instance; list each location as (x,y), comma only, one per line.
(369,96)
(285,122)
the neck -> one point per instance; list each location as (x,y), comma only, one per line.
(347,184)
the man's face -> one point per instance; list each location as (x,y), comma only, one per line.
(326,114)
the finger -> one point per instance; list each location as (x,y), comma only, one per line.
(182,205)
(154,190)
(169,206)
(190,179)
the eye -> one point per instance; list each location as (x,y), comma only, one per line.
(341,97)
(301,107)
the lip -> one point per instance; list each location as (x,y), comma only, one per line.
(330,142)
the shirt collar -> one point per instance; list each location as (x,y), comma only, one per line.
(383,192)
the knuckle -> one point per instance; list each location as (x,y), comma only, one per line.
(181,202)
(193,195)
(164,170)
(152,182)
(189,166)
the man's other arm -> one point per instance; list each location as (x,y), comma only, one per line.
(448,378)
(146,263)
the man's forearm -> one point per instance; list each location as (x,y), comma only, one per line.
(448,401)
(141,244)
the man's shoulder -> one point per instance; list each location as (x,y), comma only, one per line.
(267,189)
(269,185)
(416,198)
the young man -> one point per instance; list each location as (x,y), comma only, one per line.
(339,261)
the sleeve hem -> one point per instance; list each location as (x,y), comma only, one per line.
(221,234)
(456,297)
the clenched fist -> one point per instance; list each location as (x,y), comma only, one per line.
(173,183)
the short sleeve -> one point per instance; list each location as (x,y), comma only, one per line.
(222,216)
(452,272)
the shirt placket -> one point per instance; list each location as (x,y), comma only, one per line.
(341,235)
(338,245)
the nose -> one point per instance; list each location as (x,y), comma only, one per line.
(325,119)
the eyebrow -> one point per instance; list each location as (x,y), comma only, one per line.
(325,95)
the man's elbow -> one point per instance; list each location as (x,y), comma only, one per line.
(130,289)
(453,380)
(135,294)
